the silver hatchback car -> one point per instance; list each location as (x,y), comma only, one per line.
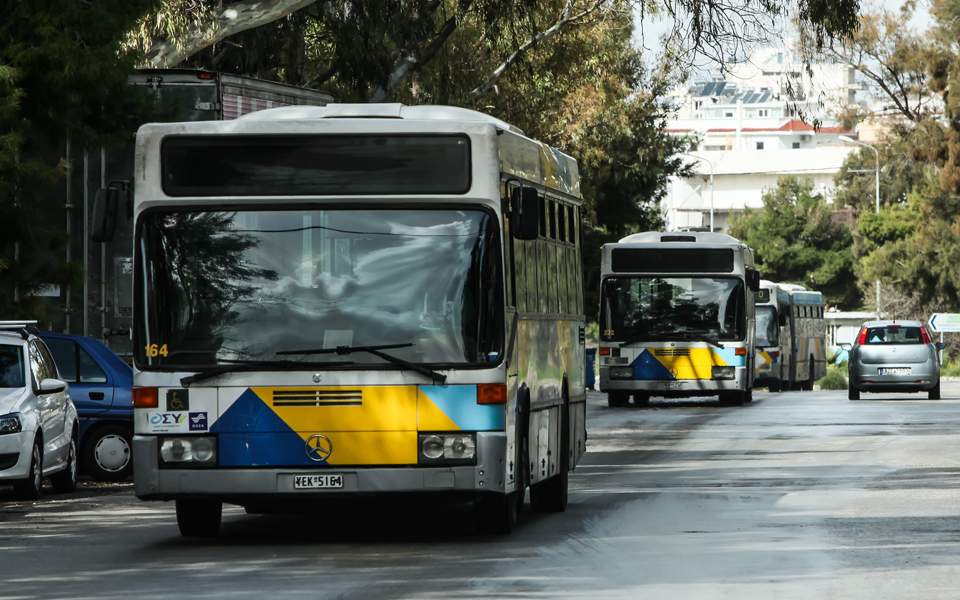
(894,356)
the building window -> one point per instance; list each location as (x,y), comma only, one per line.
(795,145)
(763,112)
(759,145)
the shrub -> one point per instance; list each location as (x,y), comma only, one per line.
(835,379)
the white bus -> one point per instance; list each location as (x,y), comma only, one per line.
(355,299)
(677,317)
(803,337)
(768,355)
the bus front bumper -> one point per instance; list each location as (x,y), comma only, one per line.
(676,387)
(236,484)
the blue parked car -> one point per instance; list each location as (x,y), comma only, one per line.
(100,386)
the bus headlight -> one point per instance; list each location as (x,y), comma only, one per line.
(621,372)
(724,372)
(195,451)
(448,448)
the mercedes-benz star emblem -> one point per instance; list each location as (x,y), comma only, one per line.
(318,448)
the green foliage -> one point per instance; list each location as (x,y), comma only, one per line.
(795,241)
(835,379)
(60,72)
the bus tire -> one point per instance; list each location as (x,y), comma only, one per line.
(199,517)
(774,386)
(641,399)
(618,399)
(498,514)
(551,495)
(732,398)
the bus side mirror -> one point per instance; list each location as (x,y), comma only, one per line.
(106,206)
(753,280)
(525,205)
(782,318)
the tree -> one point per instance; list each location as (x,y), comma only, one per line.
(60,73)
(795,241)
(894,59)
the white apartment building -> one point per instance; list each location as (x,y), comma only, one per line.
(754,128)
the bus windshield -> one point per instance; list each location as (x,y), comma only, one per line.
(650,308)
(768,329)
(222,286)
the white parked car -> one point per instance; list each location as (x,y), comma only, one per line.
(38,422)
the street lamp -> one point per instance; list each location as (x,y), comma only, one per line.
(709,164)
(876,153)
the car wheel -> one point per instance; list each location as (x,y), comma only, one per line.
(934,394)
(108,453)
(199,517)
(66,480)
(29,488)
(853,393)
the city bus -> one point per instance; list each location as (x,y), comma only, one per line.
(803,338)
(767,350)
(677,317)
(355,300)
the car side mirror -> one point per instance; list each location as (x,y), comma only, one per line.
(525,207)
(52,386)
(845,345)
(940,345)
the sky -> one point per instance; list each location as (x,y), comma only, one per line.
(648,30)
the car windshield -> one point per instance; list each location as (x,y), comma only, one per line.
(893,334)
(678,307)
(242,285)
(768,330)
(12,374)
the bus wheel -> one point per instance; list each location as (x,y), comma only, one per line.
(732,398)
(199,518)
(774,386)
(498,513)
(618,399)
(641,399)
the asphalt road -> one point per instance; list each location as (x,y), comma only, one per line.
(799,495)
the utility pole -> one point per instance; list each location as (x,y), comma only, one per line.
(876,205)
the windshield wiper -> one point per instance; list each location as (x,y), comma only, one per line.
(239,366)
(436,377)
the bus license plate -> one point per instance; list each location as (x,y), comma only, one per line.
(318,482)
(894,371)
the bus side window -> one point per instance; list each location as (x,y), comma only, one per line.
(543,216)
(578,241)
(561,223)
(552,219)
(533,280)
(520,273)
(509,291)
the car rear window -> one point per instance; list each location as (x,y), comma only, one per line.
(893,334)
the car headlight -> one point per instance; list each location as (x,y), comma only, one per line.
(196,451)
(724,372)
(621,372)
(10,424)
(448,448)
